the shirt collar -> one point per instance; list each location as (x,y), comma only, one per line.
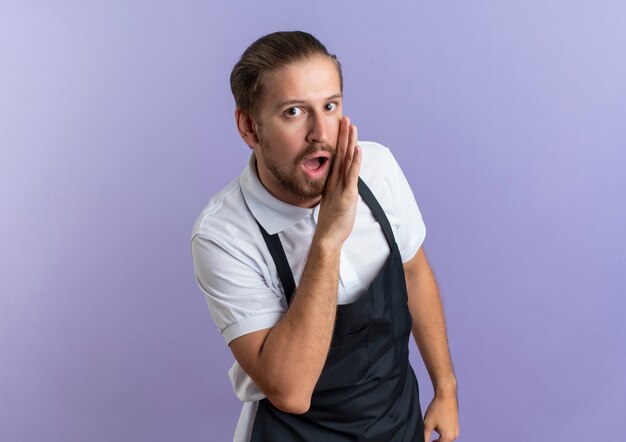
(273,214)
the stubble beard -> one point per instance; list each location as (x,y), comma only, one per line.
(301,189)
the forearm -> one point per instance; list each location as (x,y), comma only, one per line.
(287,360)
(430,335)
(429,329)
(293,355)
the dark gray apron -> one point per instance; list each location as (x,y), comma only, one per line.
(367,390)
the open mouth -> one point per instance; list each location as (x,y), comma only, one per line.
(315,163)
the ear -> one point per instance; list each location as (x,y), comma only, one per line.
(246,127)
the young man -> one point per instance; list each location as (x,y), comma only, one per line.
(312,266)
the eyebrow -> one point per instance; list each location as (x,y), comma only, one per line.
(299,101)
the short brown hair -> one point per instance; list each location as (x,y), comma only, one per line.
(268,54)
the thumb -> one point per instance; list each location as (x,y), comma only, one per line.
(427,432)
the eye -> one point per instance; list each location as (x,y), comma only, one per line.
(293,112)
(330,107)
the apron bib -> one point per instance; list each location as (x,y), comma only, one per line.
(367,390)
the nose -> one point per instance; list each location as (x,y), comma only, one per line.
(319,128)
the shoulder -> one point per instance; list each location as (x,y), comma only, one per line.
(233,268)
(227,225)
(226,214)
(374,153)
(378,163)
(382,174)
(379,169)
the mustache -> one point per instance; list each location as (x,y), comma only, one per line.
(315,148)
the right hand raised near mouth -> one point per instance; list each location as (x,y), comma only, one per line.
(339,201)
(287,360)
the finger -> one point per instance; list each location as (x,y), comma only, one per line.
(355,167)
(343,139)
(334,175)
(355,157)
(427,432)
(445,436)
(347,159)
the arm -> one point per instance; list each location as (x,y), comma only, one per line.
(429,331)
(287,360)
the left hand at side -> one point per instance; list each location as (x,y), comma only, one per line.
(442,416)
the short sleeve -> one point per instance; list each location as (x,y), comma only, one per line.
(237,292)
(411,230)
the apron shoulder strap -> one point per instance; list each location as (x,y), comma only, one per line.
(275,247)
(377,211)
(282,264)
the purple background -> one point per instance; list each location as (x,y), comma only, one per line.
(116,127)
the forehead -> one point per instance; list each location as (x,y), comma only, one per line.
(309,80)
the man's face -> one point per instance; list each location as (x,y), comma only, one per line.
(297,127)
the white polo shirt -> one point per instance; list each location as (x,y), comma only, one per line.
(236,272)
